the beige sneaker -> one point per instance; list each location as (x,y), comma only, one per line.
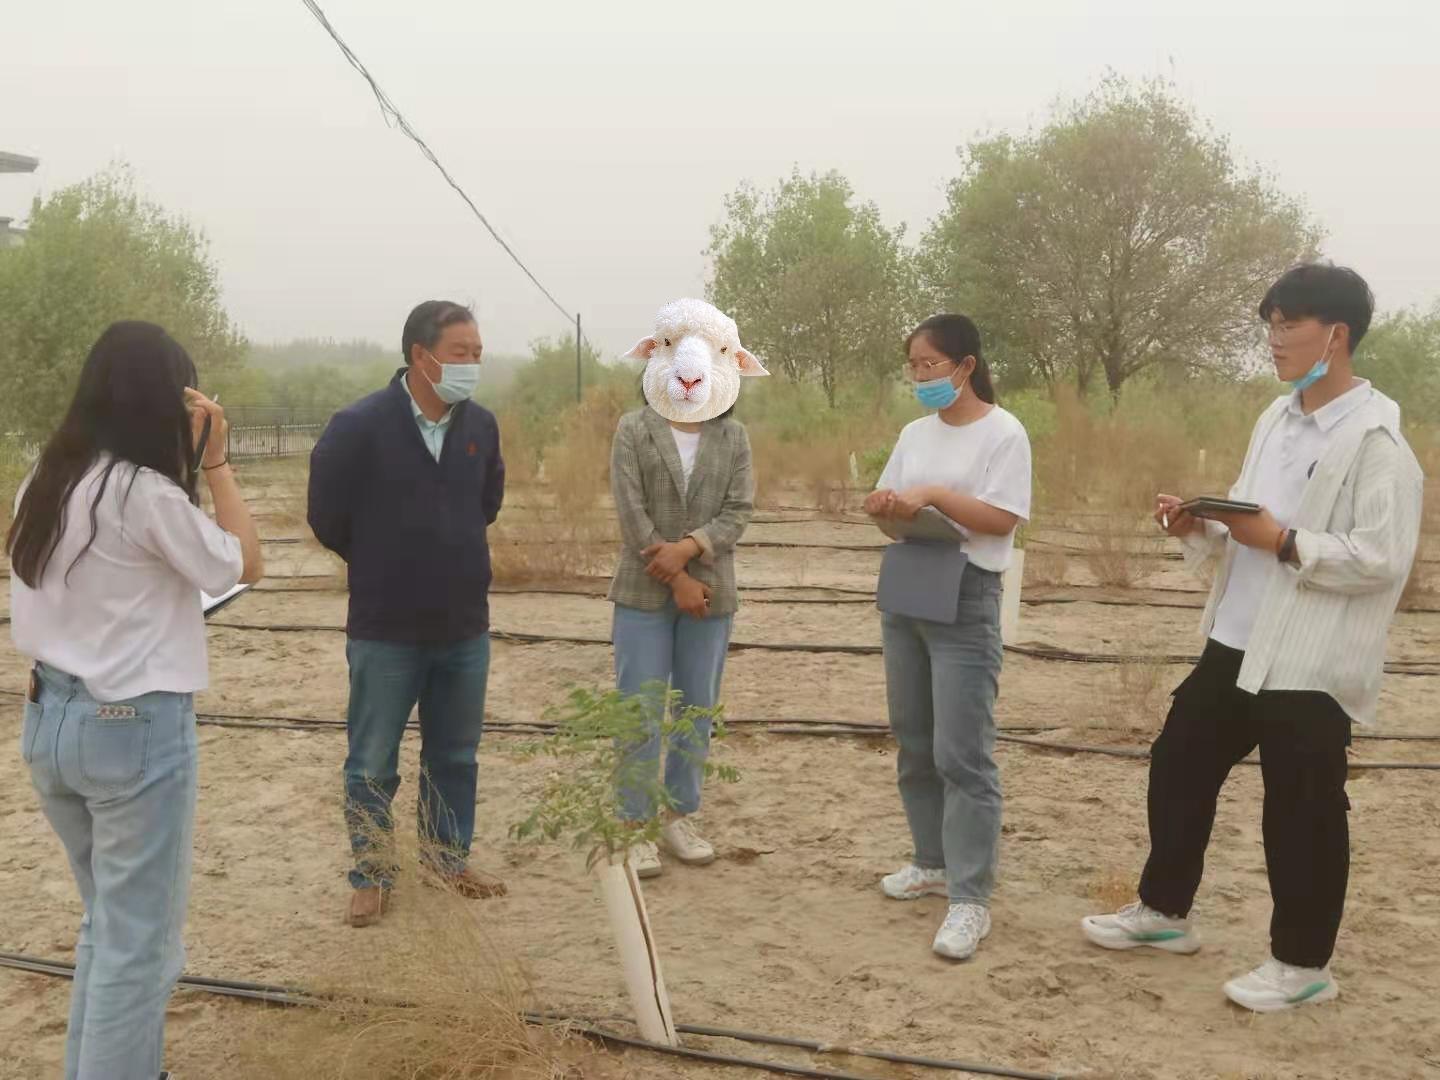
(644,859)
(684,841)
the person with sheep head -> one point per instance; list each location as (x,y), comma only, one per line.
(970,460)
(680,474)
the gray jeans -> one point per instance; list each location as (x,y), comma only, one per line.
(941,682)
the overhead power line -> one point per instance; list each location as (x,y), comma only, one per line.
(394,118)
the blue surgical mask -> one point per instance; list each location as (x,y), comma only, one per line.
(457,381)
(937,393)
(1319,371)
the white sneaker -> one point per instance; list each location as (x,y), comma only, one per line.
(644,859)
(913,882)
(684,841)
(962,931)
(1136,925)
(1274,987)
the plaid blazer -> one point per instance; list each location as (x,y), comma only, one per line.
(653,503)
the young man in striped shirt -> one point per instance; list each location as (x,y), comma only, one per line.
(1303,597)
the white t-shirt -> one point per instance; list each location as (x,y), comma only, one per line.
(688,443)
(128,620)
(1284,464)
(988,459)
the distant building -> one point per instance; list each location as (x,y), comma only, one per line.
(14,163)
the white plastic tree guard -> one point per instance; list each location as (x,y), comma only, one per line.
(634,941)
(1010,598)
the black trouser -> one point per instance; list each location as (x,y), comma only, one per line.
(1302,736)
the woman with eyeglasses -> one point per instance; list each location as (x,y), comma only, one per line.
(970,460)
(109,555)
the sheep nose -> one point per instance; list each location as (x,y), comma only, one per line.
(690,384)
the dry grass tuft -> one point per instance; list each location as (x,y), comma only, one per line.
(1046,568)
(1141,691)
(813,473)
(567,532)
(425,995)
(1120,556)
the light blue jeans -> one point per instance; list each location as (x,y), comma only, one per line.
(688,654)
(941,681)
(117,782)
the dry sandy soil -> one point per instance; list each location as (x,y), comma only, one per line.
(787,933)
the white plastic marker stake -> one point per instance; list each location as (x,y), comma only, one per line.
(634,941)
(1010,597)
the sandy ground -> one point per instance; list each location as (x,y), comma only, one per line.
(787,932)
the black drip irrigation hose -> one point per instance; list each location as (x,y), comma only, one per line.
(1036,652)
(802,726)
(851,596)
(1137,754)
(288,996)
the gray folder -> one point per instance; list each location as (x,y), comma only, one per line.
(921,579)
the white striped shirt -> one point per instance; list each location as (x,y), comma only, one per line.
(1323,625)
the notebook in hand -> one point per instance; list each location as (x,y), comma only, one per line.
(928,524)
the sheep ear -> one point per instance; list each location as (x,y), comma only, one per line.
(642,350)
(749,363)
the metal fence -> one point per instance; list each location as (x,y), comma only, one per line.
(272,431)
(272,441)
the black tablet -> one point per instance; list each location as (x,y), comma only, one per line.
(1206,507)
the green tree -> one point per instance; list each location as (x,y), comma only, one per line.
(543,390)
(1121,237)
(97,252)
(1401,356)
(821,289)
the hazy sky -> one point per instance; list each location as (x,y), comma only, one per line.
(602,138)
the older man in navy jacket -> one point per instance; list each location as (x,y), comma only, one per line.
(403,485)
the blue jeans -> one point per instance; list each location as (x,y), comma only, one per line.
(941,681)
(387,680)
(670,647)
(117,782)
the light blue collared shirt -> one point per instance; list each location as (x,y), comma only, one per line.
(432,432)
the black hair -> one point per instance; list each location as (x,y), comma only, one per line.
(130,404)
(427,323)
(723,416)
(957,336)
(1332,294)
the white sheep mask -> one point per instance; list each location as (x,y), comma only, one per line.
(693,362)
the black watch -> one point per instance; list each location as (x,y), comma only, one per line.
(1287,552)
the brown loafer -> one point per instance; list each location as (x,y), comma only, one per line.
(471,884)
(367,905)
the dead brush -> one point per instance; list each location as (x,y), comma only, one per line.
(1130,703)
(1120,556)
(767,457)
(816,471)
(429,995)
(569,534)
(823,470)
(1140,693)
(1045,568)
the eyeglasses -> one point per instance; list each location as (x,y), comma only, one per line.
(926,368)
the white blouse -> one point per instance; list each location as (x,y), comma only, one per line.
(127,617)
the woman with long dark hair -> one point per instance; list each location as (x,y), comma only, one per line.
(970,460)
(109,555)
